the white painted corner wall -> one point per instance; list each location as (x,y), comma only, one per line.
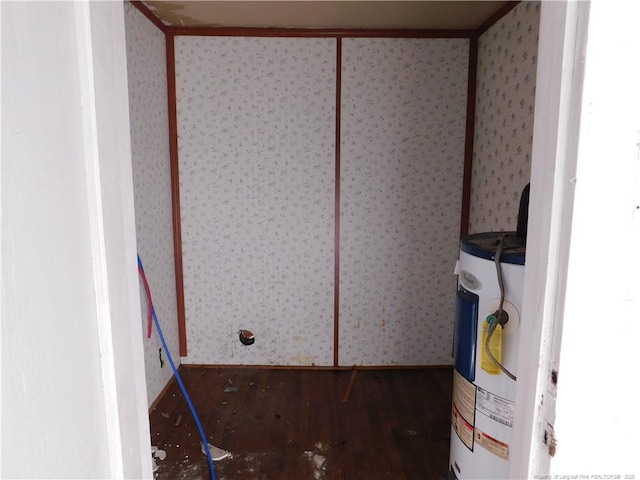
(73,391)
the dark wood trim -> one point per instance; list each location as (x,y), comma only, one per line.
(336,278)
(175,192)
(318,32)
(162,393)
(397,367)
(149,14)
(496,17)
(267,367)
(469,137)
(317,367)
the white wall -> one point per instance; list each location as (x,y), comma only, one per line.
(147,73)
(597,403)
(581,300)
(73,395)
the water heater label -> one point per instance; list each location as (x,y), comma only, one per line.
(497,408)
(463,428)
(491,444)
(463,410)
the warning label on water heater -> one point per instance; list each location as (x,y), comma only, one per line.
(496,408)
(463,408)
(491,444)
(463,428)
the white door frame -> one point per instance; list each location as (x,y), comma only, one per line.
(72,367)
(560,73)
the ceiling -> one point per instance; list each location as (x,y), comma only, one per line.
(331,14)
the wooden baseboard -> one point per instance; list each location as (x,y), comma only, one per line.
(320,367)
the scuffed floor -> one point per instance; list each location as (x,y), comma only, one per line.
(294,424)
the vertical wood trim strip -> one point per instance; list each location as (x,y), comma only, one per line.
(336,280)
(175,192)
(469,137)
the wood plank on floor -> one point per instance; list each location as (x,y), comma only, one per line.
(292,424)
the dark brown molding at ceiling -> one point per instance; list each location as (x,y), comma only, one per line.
(318,32)
(149,14)
(495,18)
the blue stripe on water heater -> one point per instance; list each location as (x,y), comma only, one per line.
(465,333)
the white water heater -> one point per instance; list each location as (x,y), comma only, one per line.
(486,342)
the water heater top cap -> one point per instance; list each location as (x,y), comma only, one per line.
(484,245)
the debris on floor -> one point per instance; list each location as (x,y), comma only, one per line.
(216,453)
(178,420)
(230,387)
(318,461)
(157,453)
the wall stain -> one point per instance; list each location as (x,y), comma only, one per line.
(169,13)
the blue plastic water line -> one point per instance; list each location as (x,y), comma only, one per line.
(205,442)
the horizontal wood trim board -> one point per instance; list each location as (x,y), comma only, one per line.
(317,33)
(316,367)
(149,14)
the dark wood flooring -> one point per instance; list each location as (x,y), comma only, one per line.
(294,425)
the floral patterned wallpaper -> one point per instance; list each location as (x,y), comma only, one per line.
(256,128)
(256,144)
(146,63)
(506,82)
(403,130)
